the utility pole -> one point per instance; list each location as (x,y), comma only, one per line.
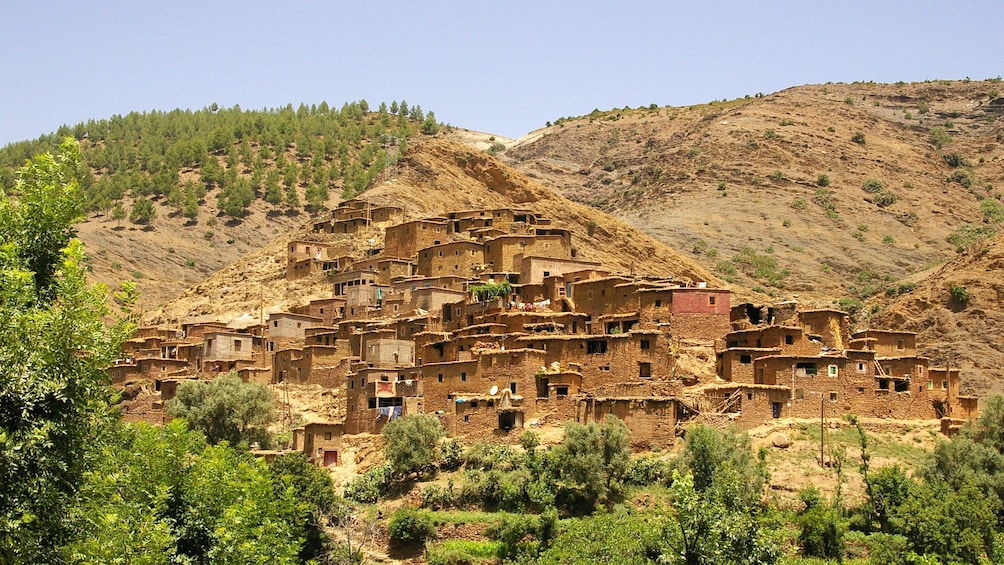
(822,423)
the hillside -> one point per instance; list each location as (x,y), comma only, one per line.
(433,176)
(773,190)
(958,313)
(174,196)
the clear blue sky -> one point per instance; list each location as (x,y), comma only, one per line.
(502,67)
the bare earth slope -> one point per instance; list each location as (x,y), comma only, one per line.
(433,177)
(962,328)
(746,173)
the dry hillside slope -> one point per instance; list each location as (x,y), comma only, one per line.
(433,177)
(783,175)
(958,312)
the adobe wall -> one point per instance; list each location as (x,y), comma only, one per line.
(404,240)
(699,327)
(652,422)
(459,258)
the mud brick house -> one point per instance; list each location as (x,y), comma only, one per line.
(404,240)
(457,258)
(320,441)
(403,333)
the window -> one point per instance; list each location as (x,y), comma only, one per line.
(371,403)
(352,384)
(463,377)
(944,385)
(596,346)
(646,344)
(237,344)
(900,344)
(467,418)
(327,436)
(474,404)
(831,371)
(807,369)
(547,273)
(930,385)
(749,396)
(645,370)
(833,397)
(799,394)
(658,303)
(711,300)
(883,384)
(789,339)
(861,368)
(745,359)
(561,391)
(512,387)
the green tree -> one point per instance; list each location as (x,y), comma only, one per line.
(56,346)
(410,443)
(225,409)
(591,462)
(429,126)
(143,211)
(118,213)
(273,194)
(311,486)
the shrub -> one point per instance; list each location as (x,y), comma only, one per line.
(452,455)
(410,526)
(954,160)
(410,443)
(888,240)
(962,178)
(786,223)
(769,134)
(368,487)
(872,186)
(823,180)
(966,235)
(940,137)
(777,176)
(958,293)
(644,471)
(726,268)
(798,204)
(858,138)
(885,198)
(822,532)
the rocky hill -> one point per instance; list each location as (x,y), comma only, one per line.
(823,191)
(432,177)
(958,313)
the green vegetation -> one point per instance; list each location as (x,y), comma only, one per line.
(858,138)
(225,409)
(940,137)
(762,267)
(180,157)
(958,293)
(823,180)
(411,443)
(490,291)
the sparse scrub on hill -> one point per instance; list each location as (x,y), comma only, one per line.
(858,138)
(939,137)
(762,267)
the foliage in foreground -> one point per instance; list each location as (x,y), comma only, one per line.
(225,409)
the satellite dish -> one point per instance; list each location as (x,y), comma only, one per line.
(494,390)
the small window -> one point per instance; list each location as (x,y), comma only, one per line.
(512,387)
(561,391)
(467,418)
(463,377)
(439,377)
(371,403)
(789,339)
(645,370)
(547,273)
(833,397)
(646,344)
(711,300)
(930,385)
(237,344)
(944,385)
(745,359)
(799,394)
(861,368)
(658,303)
(900,344)
(474,404)
(327,436)
(352,385)
(749,396)
(831,371)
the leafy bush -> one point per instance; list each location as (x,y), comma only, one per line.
(822,532)
(410,525)
(823,180)
(451,455)
(966,235)
(954,160)
(370,486)
(962,178)
(940,137)
(958,293)
(644,471)
(858,138)
(885,198)
(799,203)
(872,186)
(225,409)
(410,443)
